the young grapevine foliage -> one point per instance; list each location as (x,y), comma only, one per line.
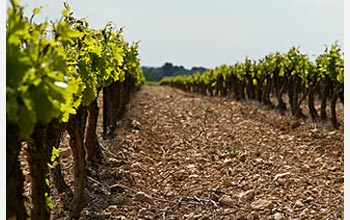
(49,77)
(39,85)
(276,72)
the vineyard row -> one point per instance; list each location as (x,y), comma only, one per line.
(54,73)
(292,74)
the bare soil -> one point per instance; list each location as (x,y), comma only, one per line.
(185,156)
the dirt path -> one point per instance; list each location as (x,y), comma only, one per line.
(184,156)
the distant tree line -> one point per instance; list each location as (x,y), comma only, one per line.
(168,69)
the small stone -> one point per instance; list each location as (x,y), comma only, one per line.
(333,168)
(315,190)
(253,216)
(228,183)
(243,157)
(304,213)
(142,197)
(214,197)
(259,160)
(190,216)
(135,125)
(305,168)
(142,212)
(339,180)
(331,133)
(227,200)
(256,176)
(280,178)
(193,176)
(261,204)
(309,199)
(278,216)
(205,217)
(122,200)
(313,211)
(323,210)
(281,175)
(319,159)
(197,217)
(242,217)
(299,204)
(247,195)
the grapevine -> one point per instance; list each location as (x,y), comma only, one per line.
(53,82)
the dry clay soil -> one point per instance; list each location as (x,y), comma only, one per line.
(178,155)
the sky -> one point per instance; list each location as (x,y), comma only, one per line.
(210,33)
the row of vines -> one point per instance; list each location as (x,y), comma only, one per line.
(55,72)
(292,74)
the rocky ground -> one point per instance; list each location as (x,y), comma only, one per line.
(184,156)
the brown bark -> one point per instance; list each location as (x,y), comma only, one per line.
(115,100)
(297,88)
(220,89)
(299,113)
(58,179)
(259,89)
(242,89)
(333,110)
(295,94)
(311,102)
(278,92)
(203,89)
(324,97)
(211,90)
(93,149)
(76,129)
(121,102)
(333,106)
(266,92)
(116,90)
(290,88)
(39,156)
(341,95)
(14,177)
(236,84)
(107,109)
(250,87)
(105,112)
(54,133)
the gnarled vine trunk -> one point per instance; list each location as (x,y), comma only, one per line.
(311,100)
(242,89)
(93,148)
(14,177)
(107,110)
(337,92)
(266,92)
(297,87)
(236,85)
(39,156)
(324,96)
(250,87)
(54,134)
(76,129)
(281,106)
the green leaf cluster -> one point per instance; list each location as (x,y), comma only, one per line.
(53,68)
(329,64)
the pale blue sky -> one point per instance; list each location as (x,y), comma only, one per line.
(210,33)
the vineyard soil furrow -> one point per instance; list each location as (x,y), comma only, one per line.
(177,155)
